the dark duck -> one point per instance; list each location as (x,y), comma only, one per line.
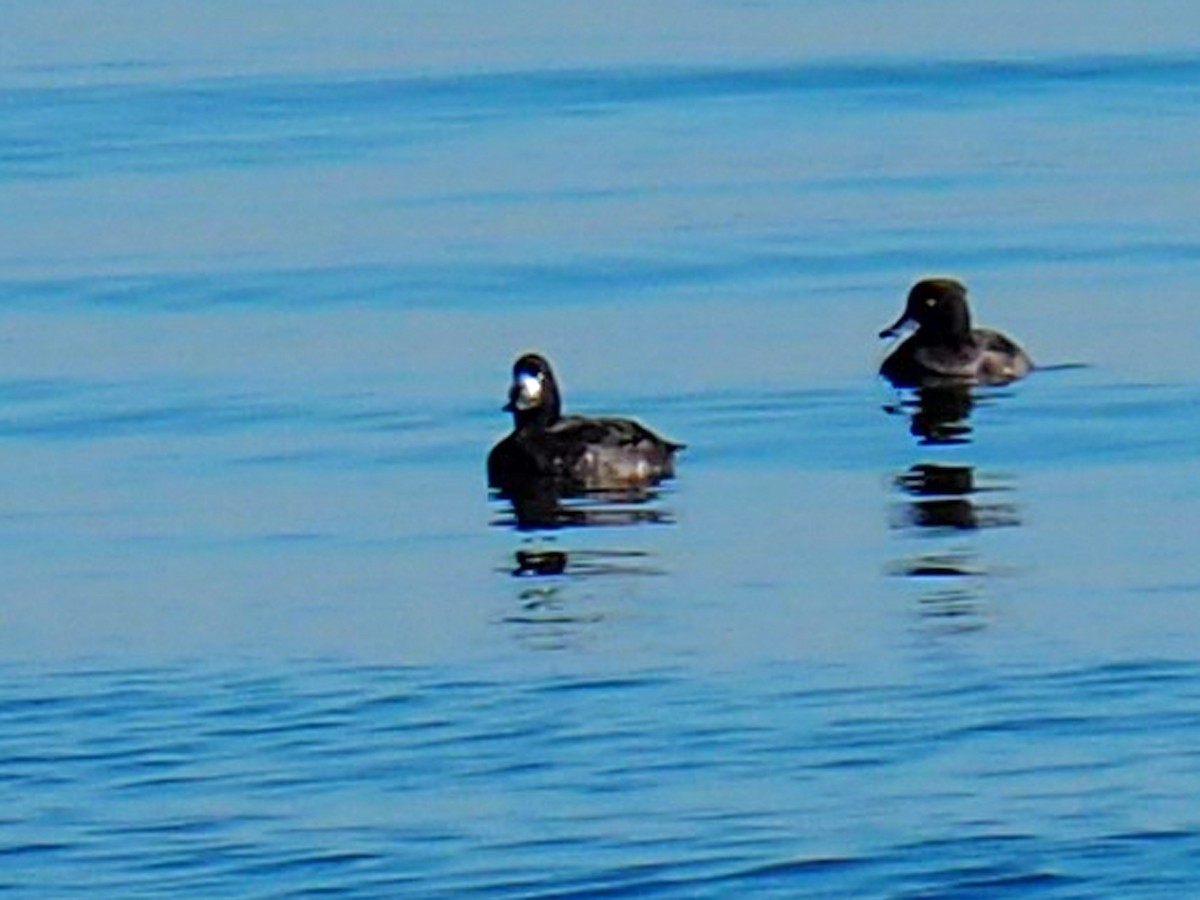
(574,452)
(945,350)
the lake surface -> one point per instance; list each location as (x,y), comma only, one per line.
(263,271)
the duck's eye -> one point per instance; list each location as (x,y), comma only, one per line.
(931,302)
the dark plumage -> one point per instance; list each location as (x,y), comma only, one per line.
(945,349)
(577,452)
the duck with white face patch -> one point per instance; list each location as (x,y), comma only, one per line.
(526,392)
(577,452)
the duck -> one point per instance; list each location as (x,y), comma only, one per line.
(944,349)
(574,452)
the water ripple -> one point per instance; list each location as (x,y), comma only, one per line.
(232,122)
(236,779)
(466,283)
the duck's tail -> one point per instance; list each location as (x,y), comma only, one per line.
(1060,367)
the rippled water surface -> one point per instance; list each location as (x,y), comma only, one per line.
(263,273)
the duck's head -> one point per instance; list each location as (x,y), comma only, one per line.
(938,308)
(533,395)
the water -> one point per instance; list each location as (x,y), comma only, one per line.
(263,273)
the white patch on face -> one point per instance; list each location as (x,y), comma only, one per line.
(529,391)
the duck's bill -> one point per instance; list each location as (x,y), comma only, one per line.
(901,326)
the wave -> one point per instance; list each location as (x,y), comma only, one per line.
(62,131)
(368,777)
(466,283)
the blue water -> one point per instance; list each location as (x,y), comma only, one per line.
(263,273)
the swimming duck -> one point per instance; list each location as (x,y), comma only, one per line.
(945,349)
(577,452)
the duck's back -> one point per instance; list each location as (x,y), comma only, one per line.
(613,452)
(990,358)
(588,453)
(1001,358)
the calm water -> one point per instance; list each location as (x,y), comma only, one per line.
(263,273)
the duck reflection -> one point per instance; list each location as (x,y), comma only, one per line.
(544,505)
(955,610)
(947,496)
(558,598)
(541,562)
(947,503)
(937,414)
(947,506)
(546,618)
(558,603)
